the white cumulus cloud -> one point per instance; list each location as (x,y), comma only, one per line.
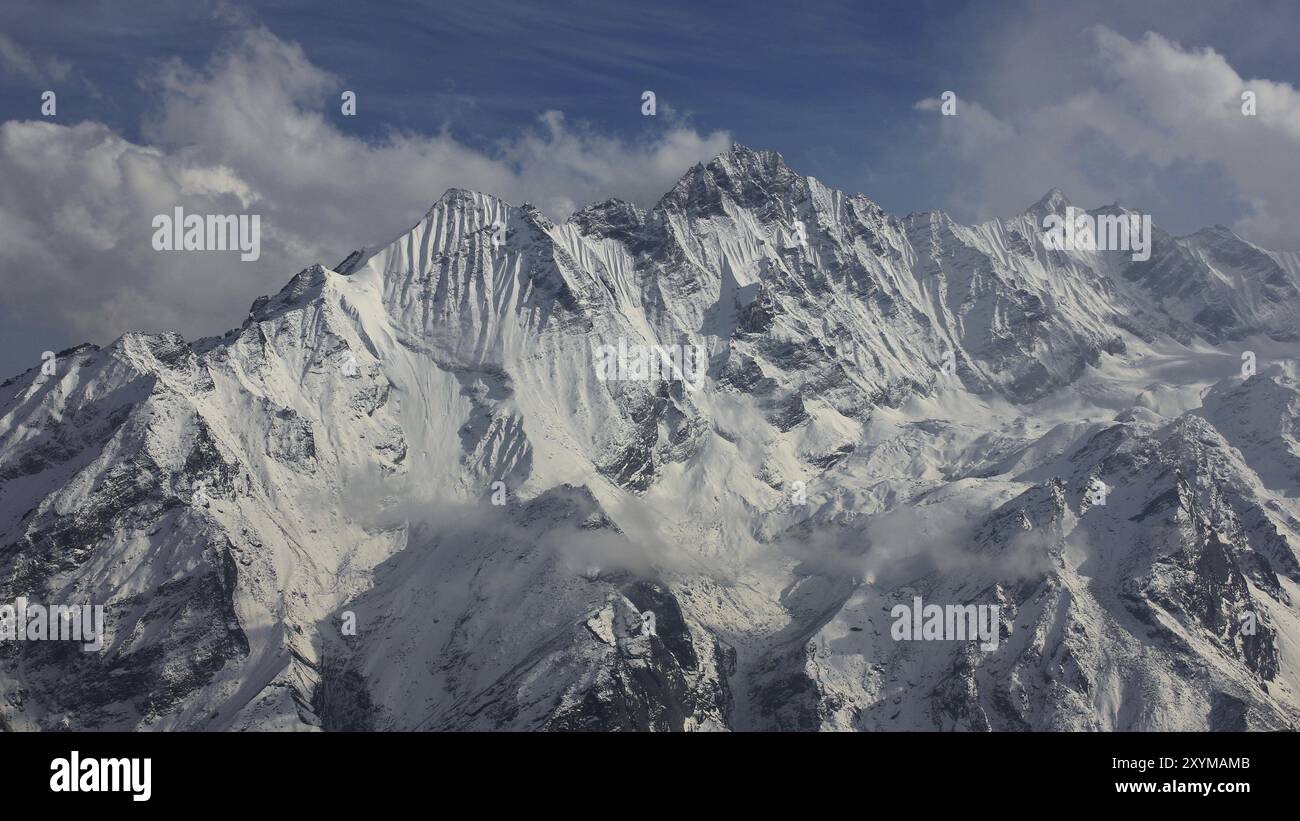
(1149,115)
(249,132)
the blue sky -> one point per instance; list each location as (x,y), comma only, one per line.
(1119,101)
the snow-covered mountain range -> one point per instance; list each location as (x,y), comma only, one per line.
(417,443)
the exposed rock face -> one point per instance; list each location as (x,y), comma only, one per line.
(417,445)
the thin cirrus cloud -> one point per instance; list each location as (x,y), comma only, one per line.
(1156,119)
(249,132)
(16,60)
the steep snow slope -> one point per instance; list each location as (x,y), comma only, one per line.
(418,442)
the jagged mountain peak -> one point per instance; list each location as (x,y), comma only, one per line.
(612,209)
(1053,202)
(748,176)
(465,198)
(613,218)
(459,212)
(757,162)
(304,285)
